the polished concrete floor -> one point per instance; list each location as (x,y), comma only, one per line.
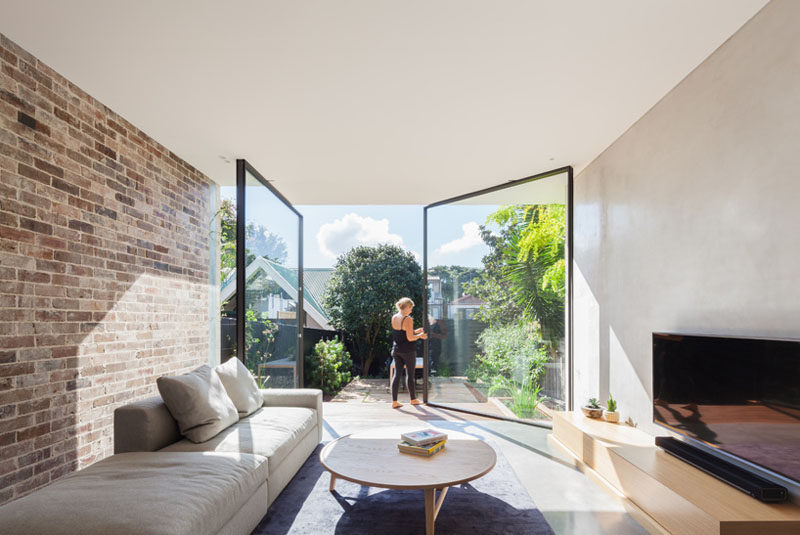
(571,503)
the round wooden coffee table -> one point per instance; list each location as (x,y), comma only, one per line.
(374,461)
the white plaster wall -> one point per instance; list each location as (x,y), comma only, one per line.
(690,221)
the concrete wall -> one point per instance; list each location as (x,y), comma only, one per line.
(690,221)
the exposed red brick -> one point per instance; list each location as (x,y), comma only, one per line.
(33,432)
(49,168)
(103,274)
(35,226)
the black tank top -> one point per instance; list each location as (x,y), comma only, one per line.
(401,344)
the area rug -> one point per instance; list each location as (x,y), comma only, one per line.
(497,503)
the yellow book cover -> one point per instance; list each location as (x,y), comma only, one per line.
(427,450)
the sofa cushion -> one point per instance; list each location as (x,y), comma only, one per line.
(270,431)
(240,386)
(144,425)
(198,401)
(141,493)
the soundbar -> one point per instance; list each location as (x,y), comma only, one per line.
(756,486)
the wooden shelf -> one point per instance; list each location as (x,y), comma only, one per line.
(675,496)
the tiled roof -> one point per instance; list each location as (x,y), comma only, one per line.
(467,300)
(315,281)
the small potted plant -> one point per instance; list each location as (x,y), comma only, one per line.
(592,409)
(610,413)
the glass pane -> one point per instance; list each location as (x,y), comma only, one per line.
(227,262)
(271,287)
(496,294)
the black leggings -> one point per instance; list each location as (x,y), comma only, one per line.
(409,362)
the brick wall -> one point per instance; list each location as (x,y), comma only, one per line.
(103,271)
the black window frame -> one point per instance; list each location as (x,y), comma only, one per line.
(243,168)
(568,337)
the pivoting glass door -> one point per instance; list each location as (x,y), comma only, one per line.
(496,263)
(269,281)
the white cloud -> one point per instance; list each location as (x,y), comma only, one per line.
(470,239)
(341,235)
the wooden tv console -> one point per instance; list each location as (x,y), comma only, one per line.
(665,494)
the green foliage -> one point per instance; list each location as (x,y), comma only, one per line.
(492,286)
(512,351)
(473,372)
(361,293)
(525,396)
(541,239)
(444,370)
(227,238)
(524,272)
(329,366)
(453,279)
(593,403)
(611,405)
(512,361)
(258,241)
(259,337)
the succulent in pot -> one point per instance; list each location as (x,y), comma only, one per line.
(610,413)
(592,409)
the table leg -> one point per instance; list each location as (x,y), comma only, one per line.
(333,483)
(430,506)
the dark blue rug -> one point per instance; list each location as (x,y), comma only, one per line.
(497,503)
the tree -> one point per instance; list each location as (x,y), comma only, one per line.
(524,271)
(261,242)
(492,286)
(258,241)
(227,238)
(365,284)
(453,279)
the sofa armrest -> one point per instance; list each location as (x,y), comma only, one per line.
(310,398)
(145,425)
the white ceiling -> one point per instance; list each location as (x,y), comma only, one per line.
(377,101)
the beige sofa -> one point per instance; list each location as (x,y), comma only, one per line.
(158,482)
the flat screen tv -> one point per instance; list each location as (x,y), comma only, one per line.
(740,396)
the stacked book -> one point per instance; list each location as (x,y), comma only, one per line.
(426,442)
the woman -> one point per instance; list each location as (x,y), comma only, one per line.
(404,350)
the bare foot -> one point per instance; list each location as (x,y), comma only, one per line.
(416,402)
(396,405)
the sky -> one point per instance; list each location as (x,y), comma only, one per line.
(329,231)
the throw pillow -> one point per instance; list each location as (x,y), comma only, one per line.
(198,401)
(241,386)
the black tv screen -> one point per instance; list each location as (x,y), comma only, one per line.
(737,395)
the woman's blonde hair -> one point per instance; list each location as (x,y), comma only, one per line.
(404,302)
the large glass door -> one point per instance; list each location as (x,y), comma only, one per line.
(497,267)
(269,281)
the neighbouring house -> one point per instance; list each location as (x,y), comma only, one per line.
(465,307)
(275,287)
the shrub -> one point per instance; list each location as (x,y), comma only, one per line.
(473,372)
(525,396)
(513,351)
(444,370)
(329,366)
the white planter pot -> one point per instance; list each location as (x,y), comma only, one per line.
(609,416)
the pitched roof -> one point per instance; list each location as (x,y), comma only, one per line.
(467,300)
(314,279)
